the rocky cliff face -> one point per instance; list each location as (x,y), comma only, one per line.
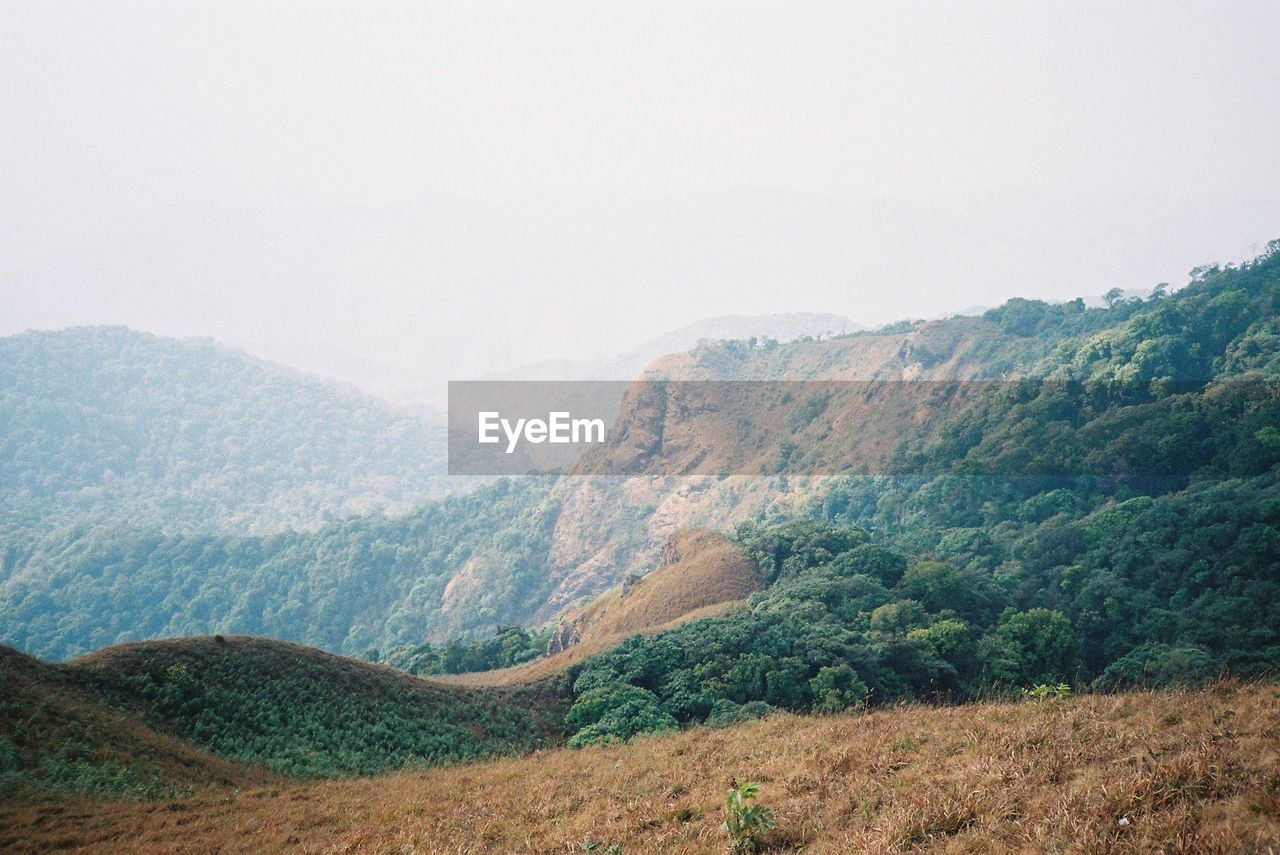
(566,635)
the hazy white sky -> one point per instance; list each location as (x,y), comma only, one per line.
(468,185)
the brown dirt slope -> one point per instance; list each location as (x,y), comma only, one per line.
(62,735)
(702,574)
(1148,772)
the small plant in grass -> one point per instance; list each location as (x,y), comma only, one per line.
(1044,690)
(603,848)
(746,823)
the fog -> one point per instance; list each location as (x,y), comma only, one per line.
(443,190)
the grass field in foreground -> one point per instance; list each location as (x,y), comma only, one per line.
(1172,772)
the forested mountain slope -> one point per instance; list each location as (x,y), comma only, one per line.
(364,582)
(106,424)
(1189,370)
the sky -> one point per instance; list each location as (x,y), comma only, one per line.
(451,188)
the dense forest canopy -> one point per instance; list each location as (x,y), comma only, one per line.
(1149,591)
(364,582)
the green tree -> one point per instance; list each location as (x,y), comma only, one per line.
(837,688)
(1041,644)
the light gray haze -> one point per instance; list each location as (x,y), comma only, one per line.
(451,189)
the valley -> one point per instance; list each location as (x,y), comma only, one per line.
(690,428)
(1009,620)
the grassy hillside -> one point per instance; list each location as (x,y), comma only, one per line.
(1177,772)
(306,713)
(109,424)
(58,737)
(698,569)
(157,718)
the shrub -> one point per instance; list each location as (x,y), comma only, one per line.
(1044,690)
(1155,665)
(745,823)
(837,688)
(615,714)
(725,712)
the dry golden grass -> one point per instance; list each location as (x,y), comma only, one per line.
(703,574)
(699,568)
(1189,771)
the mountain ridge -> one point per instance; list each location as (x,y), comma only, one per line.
(525,552)
(186,434)
(780,326)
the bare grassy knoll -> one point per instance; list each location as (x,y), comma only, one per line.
(702,574)
(1179,772)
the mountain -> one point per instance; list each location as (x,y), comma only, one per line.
(796,615)
(1075,542)
(1144,772)
(109,425)
(624,366)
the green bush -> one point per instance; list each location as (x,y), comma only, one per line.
(746,823)
(615,714)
